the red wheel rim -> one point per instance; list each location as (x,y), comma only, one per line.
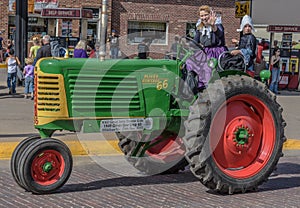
(170,149)
(242,136)
(47,167)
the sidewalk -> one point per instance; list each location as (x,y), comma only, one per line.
(17,124)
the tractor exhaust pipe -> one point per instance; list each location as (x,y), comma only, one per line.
(104,20)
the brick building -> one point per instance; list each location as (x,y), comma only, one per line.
(134,20)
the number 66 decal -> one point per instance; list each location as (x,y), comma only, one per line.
(162,84)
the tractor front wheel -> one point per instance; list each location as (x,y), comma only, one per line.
(16,157)
(234,135)
(45,166)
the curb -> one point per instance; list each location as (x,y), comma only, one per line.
(2,66)
(104,148)
(78,148)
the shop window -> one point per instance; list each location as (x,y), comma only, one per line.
(66,30)
(156,32)
(190,30)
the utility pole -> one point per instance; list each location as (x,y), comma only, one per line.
(21,37)
(104,19)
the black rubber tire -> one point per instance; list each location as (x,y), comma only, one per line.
(147,164)
(198,129)
(16,157)
(36,150)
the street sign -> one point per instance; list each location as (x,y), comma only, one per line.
(242,8)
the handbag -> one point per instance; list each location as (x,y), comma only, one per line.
(271,66)
(20,74)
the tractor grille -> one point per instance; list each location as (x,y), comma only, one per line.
(48,94)
(109,92)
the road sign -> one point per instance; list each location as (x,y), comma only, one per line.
(242,8)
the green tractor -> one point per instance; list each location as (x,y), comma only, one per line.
(230,132)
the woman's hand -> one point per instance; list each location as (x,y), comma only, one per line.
(234,41)
(235,52)
(212,18)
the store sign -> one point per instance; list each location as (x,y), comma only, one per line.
(283,28)
(74,13)
(242,8)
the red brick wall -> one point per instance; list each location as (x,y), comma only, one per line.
(176,13)
(4,18)
(78,4)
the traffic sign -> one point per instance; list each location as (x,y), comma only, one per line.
(242,8)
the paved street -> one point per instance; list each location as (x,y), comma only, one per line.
(109,181)
(91,185)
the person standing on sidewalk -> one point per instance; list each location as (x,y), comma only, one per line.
(275,70)
(113,39)
(29,77)
(173,49)
(12,62)
(34,49)
(80,50)
(45,50)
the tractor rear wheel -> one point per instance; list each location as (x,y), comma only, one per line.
(166,157)
(45,165)
(234,135)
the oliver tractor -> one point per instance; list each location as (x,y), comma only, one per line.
(230,132)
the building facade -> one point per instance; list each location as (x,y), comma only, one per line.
(134,20)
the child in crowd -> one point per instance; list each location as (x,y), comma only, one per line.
(29,77)
(247,43)
(12,62)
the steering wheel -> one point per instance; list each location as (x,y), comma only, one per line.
(193,44)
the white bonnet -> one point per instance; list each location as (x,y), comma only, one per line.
(246,20)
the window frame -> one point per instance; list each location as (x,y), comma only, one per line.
(156,33)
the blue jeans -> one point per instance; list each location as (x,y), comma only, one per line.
(28,85)
(11,81)
(114,52)
(275,80)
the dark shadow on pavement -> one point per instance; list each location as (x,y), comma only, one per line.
(17,135)
(183,177)
(288,168)
(283,179)
(6,95)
